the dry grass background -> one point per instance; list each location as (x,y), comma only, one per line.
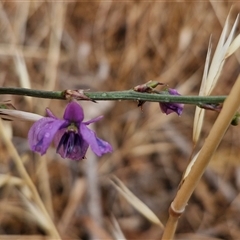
(115,46)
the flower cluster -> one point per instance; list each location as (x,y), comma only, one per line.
(166,108)
(71,135)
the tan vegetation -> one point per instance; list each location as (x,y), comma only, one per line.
(111,46)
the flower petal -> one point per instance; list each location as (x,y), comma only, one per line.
(172,107)
(168,108)
(104,146)
(77,151)
(73,113)
(42,132)
(93,120)
(173,91)
(50,114)
(98,146)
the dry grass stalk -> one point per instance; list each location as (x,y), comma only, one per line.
(44,185)
(233,47)
(52,231)
(210,76)
(212,72)
(115,228)
(18,59)
(199,112)
(37,215)
(57,23)
(10,114)
(214,138)
(21,69)
(77,193)
(135,202)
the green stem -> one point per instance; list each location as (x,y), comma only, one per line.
(32,93)
(117,95)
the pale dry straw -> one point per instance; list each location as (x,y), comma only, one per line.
(212,72)
(200,162)
(49,226)
(135,202)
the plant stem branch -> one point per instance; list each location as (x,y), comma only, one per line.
(118,95)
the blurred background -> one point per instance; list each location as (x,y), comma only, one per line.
(114,46)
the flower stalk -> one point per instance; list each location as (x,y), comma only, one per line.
(115,96)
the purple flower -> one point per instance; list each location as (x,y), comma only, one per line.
(71,135)
(172,107)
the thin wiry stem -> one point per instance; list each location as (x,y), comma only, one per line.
(117,95)
(33,93)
